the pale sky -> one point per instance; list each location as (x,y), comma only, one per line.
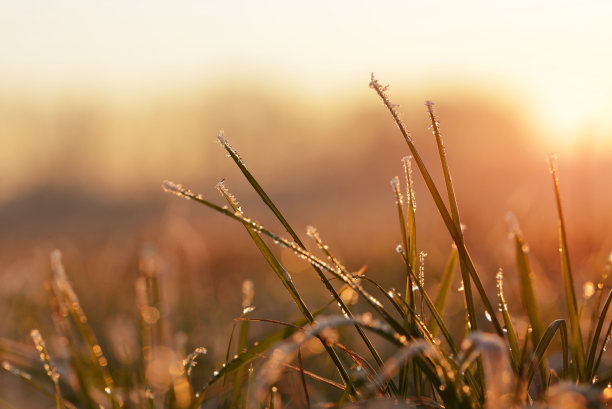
(554,54)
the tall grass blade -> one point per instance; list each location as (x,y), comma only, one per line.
(285,278)
(277,213)
(454,212)
(26,377)
(253,352)
(445,286)
(444,213)
(247,399)
(591,369)
(576,343)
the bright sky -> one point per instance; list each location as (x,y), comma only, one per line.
(556,55)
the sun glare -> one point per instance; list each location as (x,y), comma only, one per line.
(570,117)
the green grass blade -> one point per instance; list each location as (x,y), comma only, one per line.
(247,400)
(556,326)
(410,299)
(347,278)
(286,280)
(445,285)
(510,332)
(576,343)
(243,336)
(465,259)
(606,340)
(277,213)
(82,323)
(411,217)
(29,379)
(528,297)
(595,339)
(255,351)
(50,369)
(454,210)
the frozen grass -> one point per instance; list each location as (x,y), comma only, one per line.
(489,365)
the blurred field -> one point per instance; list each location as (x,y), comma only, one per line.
(83,174)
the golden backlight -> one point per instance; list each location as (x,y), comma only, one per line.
(100,102)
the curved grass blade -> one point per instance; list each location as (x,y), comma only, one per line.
(576,343)
(247,400)
(277,213)
(591,369)
(556,326)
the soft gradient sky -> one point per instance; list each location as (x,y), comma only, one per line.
(555,54)
(552,58)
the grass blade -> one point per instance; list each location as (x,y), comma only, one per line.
(253,352)
(410,299)
(73,305)
(26,377)
(285,278)
(465,259)
(595,340)
(576,343)
(277,213)
(527,290)
(50,368)
(510,332)
(604,346)
(445,285)
(344,276)
(556,326)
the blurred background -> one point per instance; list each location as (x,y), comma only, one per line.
(100,104)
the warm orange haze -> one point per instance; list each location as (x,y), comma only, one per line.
(100,105)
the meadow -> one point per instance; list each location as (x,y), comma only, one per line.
(446,316)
